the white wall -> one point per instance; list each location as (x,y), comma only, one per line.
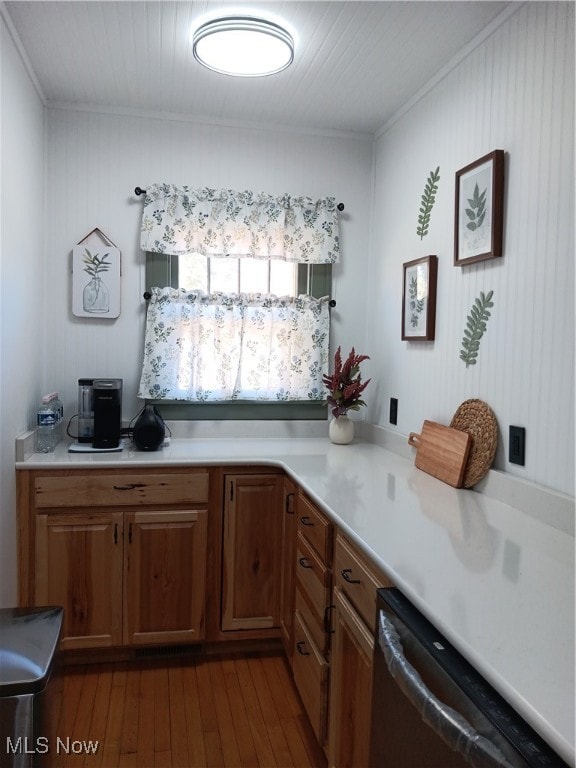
(514,92)
(22,295)
(94,162)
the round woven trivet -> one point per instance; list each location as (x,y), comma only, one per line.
(477,419)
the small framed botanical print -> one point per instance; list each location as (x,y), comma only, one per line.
(479,210)
(419,299)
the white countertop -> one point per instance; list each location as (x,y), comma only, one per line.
(499,583)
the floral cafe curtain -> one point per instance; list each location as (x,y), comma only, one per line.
(180,220)
(213,347)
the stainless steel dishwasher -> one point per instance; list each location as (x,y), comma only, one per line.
(431,708)
(30,686)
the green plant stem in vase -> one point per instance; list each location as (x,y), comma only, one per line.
(95,297)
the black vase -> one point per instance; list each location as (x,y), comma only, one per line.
(149,430)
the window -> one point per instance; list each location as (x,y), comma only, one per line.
(207,274)
(239,282)
(237,275)
(197,272)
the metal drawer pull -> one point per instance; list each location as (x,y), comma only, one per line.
(305,521)
(115,533)
(299,648)
(346,576)
(290,503)
(129,486)
(304,563)
(328,619)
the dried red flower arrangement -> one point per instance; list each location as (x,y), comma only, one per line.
(345,384)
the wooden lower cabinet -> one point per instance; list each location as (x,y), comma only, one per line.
(164,577)
(350,687)
(123,551)
(78,565)
(164,558)
(252,551)
(123,578)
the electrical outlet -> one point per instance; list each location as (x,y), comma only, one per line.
(516,445)
(393,410)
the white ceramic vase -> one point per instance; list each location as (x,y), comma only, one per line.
(341,430)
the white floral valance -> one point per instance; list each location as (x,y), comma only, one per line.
(213,347)
(181,220)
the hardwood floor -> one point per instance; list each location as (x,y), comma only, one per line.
(203,711)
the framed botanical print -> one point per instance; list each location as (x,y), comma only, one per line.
(479,210)
(419,299)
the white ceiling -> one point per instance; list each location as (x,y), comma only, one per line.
(356,64)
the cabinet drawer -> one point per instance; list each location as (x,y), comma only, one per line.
(312,591)
(357,580)
(315,528)
(311,677)
(312,576)
(89,489)
(315,622)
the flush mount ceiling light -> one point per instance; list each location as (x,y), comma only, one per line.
(243,46)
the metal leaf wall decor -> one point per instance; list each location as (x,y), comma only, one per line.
(475,327)
(428,200)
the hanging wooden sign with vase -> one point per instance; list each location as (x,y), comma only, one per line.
(96,277)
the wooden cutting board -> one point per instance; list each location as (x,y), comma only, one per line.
(442,452)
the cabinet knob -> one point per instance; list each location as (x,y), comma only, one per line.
(299,647)
(304,563)
(305,521)
(346,576)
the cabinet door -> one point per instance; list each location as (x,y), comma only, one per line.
(252,552)
(350,688)
(165,576)
(288,575)
(79,566)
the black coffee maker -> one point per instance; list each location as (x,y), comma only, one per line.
(107,405)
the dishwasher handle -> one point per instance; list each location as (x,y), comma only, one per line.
(451,726)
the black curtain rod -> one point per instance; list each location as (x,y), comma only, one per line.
(139,191)
(147,296)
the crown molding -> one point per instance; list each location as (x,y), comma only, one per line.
(108,109)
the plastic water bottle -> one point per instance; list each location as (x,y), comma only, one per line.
(57,403)
(59,408)
(46,426)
